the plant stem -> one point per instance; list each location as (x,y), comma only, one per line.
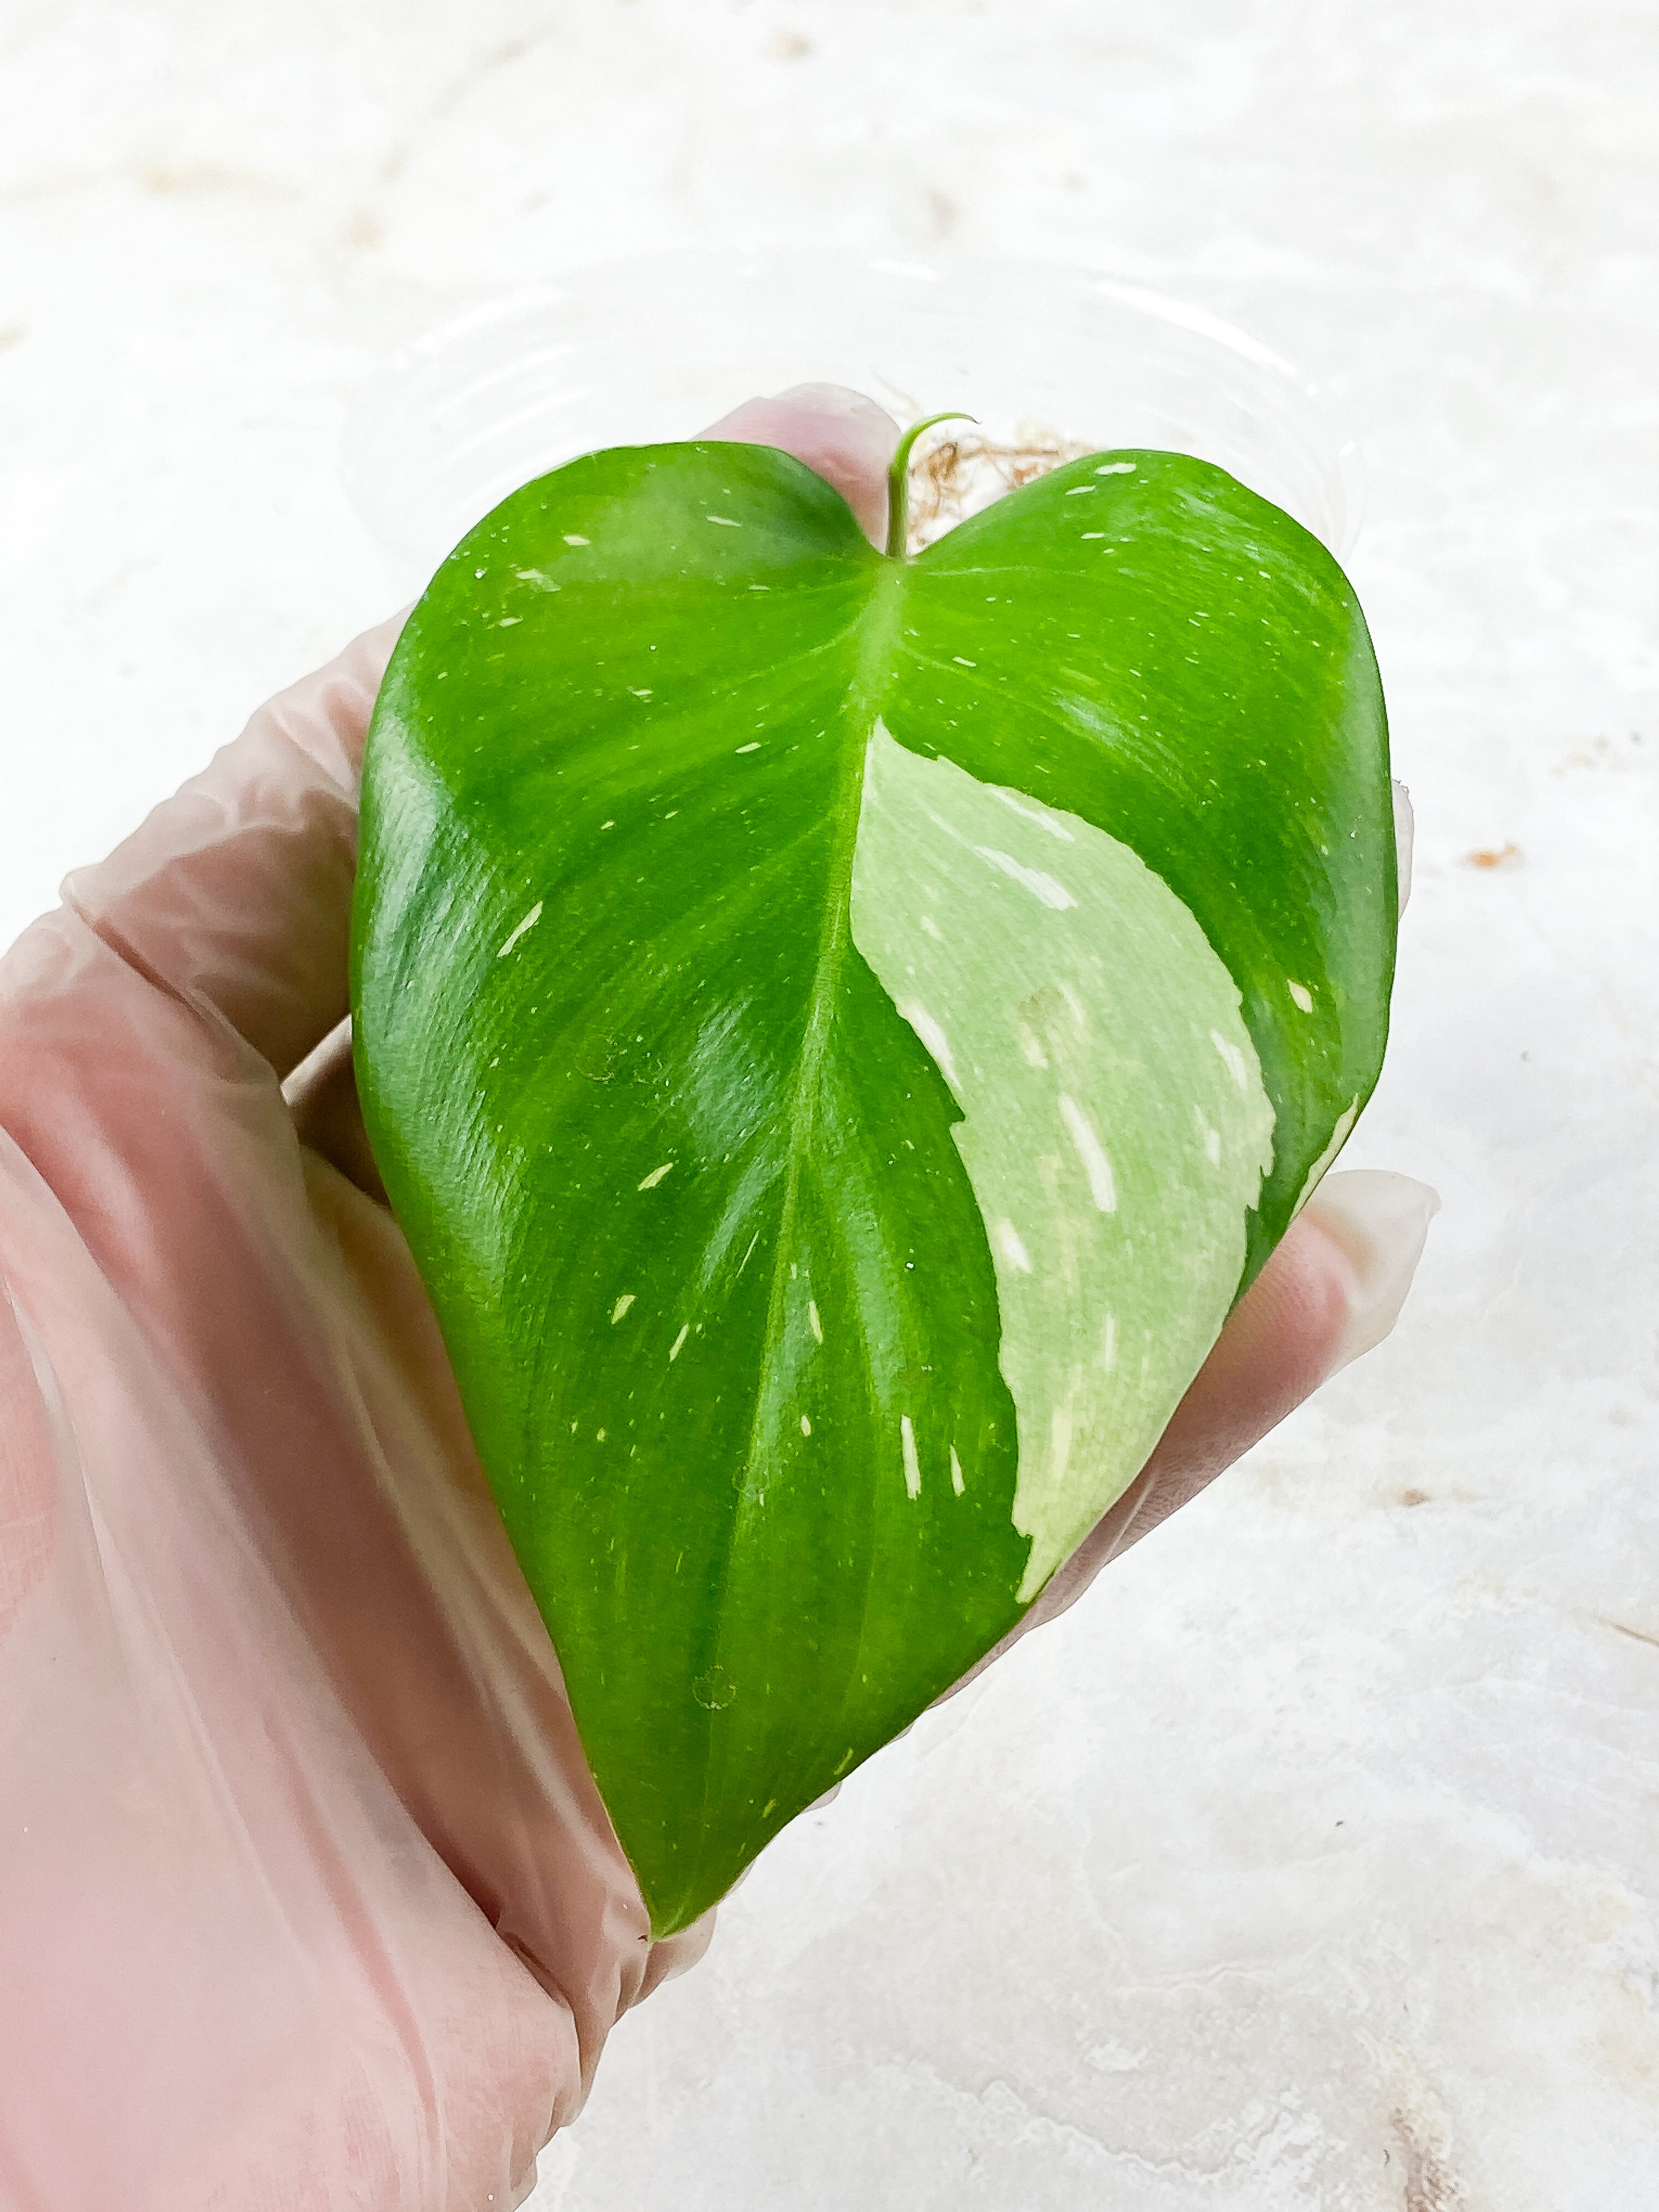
(898,479)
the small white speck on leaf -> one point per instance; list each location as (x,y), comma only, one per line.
(1109,1344)
(753,747)
(932,929)
(1115,469)
(934,1037)
(961,663)
(956,1482)
(575,538)
(1233,1058)
(529,923)
(507,621)
(1060,1426)
(1302,996)
(1094,534)
(805,1426)
(1046,889)
(640,694)
(715,1690)
(725,521)
(912,1464)
(1212,1139)
(1078,490)
(674,1348)
(1040,815)
(621,1307)
(812,1320)
(656,1175)
(1011,1245)
(1102,1187)
(607,825)
(1036,815)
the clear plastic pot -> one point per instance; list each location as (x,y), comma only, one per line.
(633,351)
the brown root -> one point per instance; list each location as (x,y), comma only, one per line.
(962,472)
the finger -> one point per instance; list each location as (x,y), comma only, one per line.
(1405,830)
(840,434)
(234,898)
(674,1955)
(1331,1291)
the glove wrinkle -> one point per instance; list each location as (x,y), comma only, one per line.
(310,1900)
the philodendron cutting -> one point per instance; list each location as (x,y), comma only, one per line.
(840,1031)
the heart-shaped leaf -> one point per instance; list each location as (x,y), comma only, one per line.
(839,1032)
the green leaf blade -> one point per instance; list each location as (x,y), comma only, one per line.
(826,1122)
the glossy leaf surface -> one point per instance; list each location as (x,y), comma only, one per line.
(839,1033)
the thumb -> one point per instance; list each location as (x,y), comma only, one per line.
(1332,1290)
(1379,1222)
(234,897)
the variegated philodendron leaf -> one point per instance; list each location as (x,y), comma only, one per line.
(839,1032)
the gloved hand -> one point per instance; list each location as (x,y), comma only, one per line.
(306,1898)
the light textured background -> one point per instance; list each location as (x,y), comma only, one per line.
(1312,1862)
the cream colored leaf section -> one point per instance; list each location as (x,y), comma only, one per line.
(1114,1131)
(1328,1158)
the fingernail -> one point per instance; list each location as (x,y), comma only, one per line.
(1405,825)
(1381,1222)
(836,399)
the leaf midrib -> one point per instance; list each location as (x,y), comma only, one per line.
(867,682)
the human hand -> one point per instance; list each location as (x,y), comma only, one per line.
(306,1898)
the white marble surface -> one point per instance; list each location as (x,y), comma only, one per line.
(1312,1862)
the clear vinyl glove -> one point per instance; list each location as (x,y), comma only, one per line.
(307,1901)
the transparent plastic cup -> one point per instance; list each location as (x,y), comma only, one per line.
(631,352)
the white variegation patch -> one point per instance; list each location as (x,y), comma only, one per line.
(1116,1128)
(1322,1166)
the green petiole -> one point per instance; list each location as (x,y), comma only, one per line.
(899,479)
